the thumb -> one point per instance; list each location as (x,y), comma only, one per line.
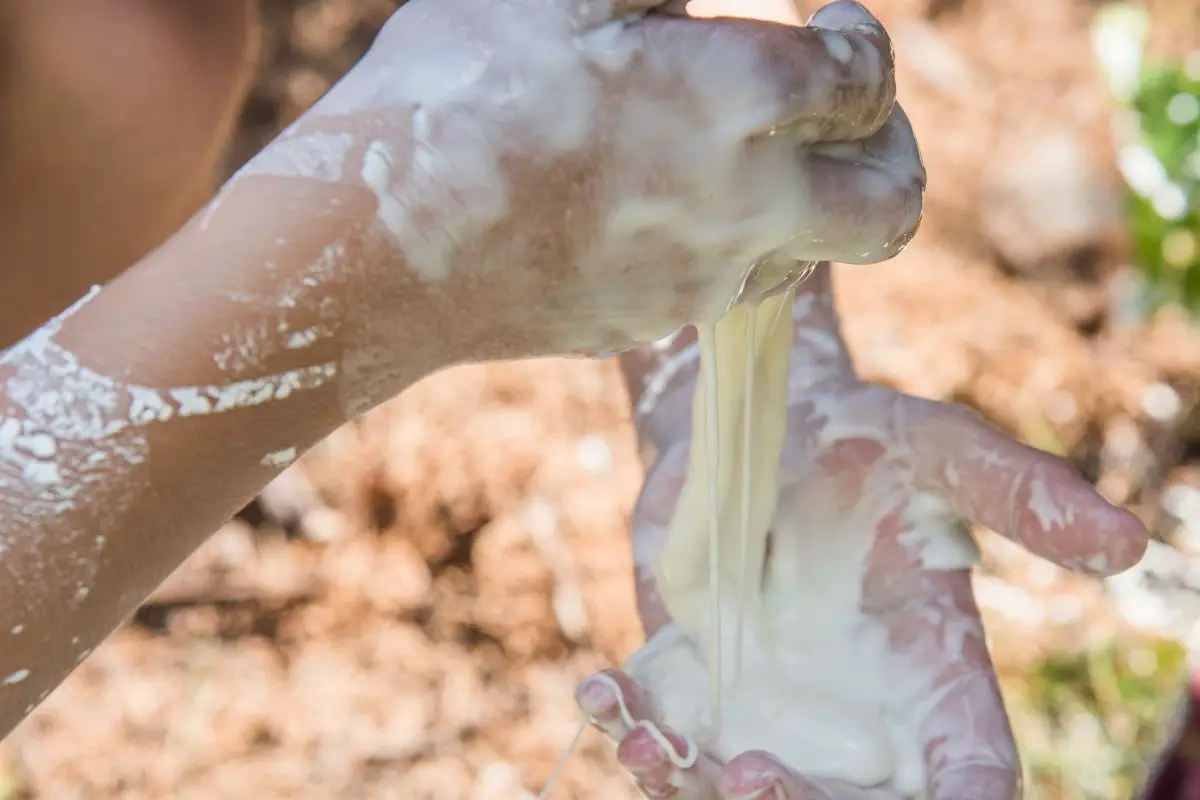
(651,522)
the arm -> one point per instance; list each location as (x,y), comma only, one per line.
(138,422)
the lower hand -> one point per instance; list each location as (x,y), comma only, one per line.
(912,469)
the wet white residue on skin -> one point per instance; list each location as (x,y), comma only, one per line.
(241,351)
(818,669)
(16,677)
(1049,513)
(16,630)
(377,174)
(523,102)
(1098,563)
(322,269)
(246,347)
(192,401)
(442,198)
(298,340)
(935,534)
(838,46)
(610,48)
(280,458)
(68,434)
(49,396)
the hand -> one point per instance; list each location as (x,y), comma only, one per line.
(583,175)
(905,470)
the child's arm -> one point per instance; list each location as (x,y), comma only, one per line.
(422,214)
(142,419)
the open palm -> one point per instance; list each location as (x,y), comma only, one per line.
(903,473)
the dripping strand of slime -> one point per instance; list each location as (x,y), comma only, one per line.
(712,455)
(747,422)
(561,767)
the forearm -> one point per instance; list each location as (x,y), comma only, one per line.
(123,447)
(138,422)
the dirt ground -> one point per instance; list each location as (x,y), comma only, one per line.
(404,613)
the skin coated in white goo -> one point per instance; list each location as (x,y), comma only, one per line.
(866,593)
(813,684)
(787,147)
(811,688)
(786,660)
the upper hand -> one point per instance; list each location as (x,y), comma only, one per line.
(904,471)
(582,175)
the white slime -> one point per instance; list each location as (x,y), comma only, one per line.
(805,660)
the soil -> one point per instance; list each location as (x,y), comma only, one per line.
(404,613)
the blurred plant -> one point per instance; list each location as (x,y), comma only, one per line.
(1090,722)
(1158,132)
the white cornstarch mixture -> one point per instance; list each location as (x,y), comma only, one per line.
(773,653)
(769,648)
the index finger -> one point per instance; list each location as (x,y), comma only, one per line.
(1032,497)
(817,84)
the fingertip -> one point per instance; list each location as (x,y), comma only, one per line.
(756,774)
(844,14)
(1068,521)
(1126,539)
(811,83)
(611,701)
(595,695)
(871,210)
(847,16)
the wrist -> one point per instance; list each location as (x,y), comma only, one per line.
(323,251)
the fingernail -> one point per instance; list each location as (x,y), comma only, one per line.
(772,792)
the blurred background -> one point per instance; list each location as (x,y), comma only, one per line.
(405,612)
